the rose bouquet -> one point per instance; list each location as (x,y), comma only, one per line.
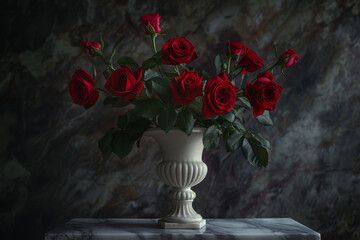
(166,93)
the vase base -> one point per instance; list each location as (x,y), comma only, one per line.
(193,225)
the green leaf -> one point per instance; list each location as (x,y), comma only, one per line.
(186,121)
(152,62)
(150,74)
(167,119)
(149,88)
(254,152)
(276,52)
(148,108)
(105,143)
(170,75)
(228,116)
(244,100)
(115,102)
(107,73)
(239,126)
(122,121)
(233,142)
(161,85)
(162,88)
(101,42)
(265,119)
(114,48)
(240,114)
(128,61)
(211,137)
(137,127)
(265,143)
(122,143)
(196,108)
(217,64)
(93,71)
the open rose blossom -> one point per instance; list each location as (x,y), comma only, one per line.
(177,51)
(153,20)
(291,57)
(219,97)
(124,83)
(91,46)
(251,62)
(186,87)
(236,48)
(81,88)
(263,94)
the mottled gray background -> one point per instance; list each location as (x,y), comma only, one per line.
(51,169)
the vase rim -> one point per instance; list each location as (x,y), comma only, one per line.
(195,129)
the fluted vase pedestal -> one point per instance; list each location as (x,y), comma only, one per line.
(182,168)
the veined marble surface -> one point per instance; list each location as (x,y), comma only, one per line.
(146,229)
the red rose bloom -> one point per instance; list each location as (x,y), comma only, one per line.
(152,20)
(124,83)
(263,94)
(291,57)
(81,88)
(91,46)
(186,87)
(251,62)
(220,95)
(236,48)
(178,50)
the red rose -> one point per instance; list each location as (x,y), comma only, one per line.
(263,94)
(186,87)
(178,50)
(220,95)
(291,57)
(124,83)
(251,62)
(152,20)
(81,88)
(236,48)
(265,74)
(91,46)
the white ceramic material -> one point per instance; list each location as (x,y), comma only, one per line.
(182,168)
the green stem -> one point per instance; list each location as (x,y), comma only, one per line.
(277,62)
(228,67)
(153,36)
(176,68)
(106,62)
(242,78)
(184,66)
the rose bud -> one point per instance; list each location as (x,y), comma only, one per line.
(151,21)
(251,62)
(290,57)
(125,84)
(177,51)
(236,48)
(219,97)
(81,88)
(263,94)
(186,87)
(91,46)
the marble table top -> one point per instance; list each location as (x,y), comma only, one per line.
(141,229)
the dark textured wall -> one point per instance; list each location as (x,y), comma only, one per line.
(51,169)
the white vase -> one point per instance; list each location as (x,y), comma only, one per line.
(182,168)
